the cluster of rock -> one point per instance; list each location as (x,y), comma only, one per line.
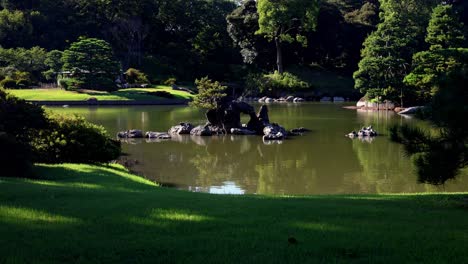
(135,133)
(224,120)
(363,132)
(291,99)
(266,99)
(364,104)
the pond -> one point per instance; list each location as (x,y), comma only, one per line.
(322,161)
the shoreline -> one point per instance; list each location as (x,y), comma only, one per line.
(396,109)
(109,102)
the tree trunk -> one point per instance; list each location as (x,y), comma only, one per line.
(279,55)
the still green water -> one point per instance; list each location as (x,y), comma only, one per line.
(322,161)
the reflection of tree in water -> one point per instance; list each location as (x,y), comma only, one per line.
(385,167)
(224,158)
(284,173)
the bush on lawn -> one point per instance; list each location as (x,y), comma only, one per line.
(133,76)
(8,83)
(73,139)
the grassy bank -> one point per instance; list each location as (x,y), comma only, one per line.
(89,214)
(120,95)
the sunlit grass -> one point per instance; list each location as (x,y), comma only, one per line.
(103,214)
(120,95)
(18,214)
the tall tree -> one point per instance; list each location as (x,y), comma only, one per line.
(242,25)
(15,29)
(445,55)
(387,53)
(285,21)
(441,74)
(445,29)
(91,61)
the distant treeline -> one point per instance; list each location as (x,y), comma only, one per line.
(183,38)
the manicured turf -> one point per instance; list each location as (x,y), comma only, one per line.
(89,214)
(122,94)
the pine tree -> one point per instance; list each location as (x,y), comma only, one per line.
(445,30)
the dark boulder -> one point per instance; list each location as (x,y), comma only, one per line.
(242,131)
(255,125)
(228,114)
(134,133)
(157,135)
(274,136)
(274,132)
(181,129)
(203,131)
(274,129)
(263,115)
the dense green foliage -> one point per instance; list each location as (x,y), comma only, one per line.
(8,83)
(284,21)
(445,55)
(18,118)
(209,94)
(23,64)
(440,157)
(387,53)
(188,39)
(440,76)
(274,84)
(19,122)
(242,25)
(133,76)
(28,134)
(341,27)
(73,139)
(91,62)
(445,30)
(429,67)
(83,212)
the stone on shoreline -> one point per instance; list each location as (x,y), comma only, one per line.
(181,129)
(134,133)
(203,131)
(157,135)
(242,131)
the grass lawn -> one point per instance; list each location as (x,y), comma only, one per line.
(122,94)
(90,214)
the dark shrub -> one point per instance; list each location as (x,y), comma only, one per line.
(69,84)
(273,84)
(133,76)
(8,83)
(19,118)
(163,94)
(73,139)
(15,157)
(22,84)
(170,81)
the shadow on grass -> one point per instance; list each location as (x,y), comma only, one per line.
(128,220)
